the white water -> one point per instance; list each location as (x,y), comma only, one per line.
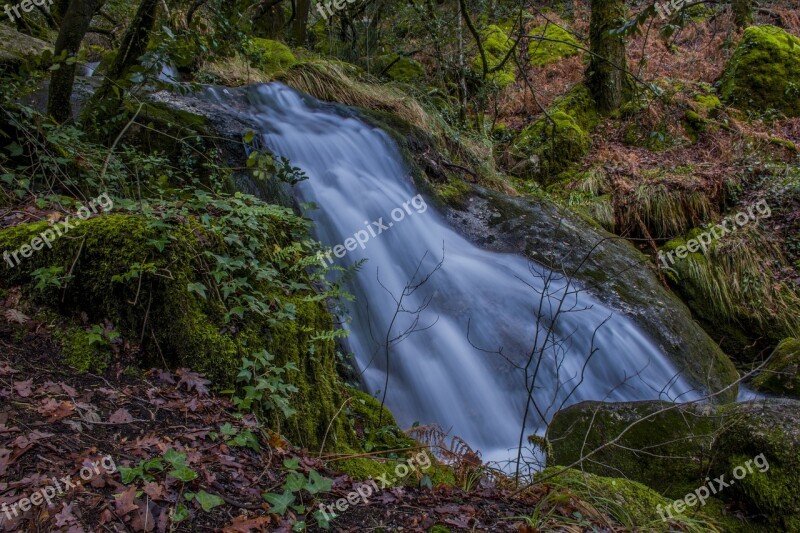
(437,376)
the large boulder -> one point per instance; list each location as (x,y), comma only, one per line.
(781,375)
(677,449)
(17,48)
(621,276)
(764,72)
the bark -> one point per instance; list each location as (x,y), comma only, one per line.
(134,45)
(74,25)
(301,22)
(607,76)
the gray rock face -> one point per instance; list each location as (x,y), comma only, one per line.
(610,267)
(16,47)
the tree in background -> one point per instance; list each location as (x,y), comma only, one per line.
(606,76)
(742,12)
(74,25)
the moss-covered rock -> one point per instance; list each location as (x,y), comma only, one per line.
(767,436)
(270,56)
(17,48)
(753,445)
(544,48)
(764,72)
(496,45)
(106,255)
(782,374)
(628,502)
(402,69)
(557,140)
(668,451)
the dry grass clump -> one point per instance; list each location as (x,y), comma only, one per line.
(331,81)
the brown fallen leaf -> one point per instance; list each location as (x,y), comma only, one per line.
(16,317)
(120,416)
(242,524)
(124,503)
(23,388)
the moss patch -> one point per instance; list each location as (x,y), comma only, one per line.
(270,56)
(496,44)
(556,142)
(764,72)
(782,374)
(546,51)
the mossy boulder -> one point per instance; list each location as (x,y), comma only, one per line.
(767,434)
(781,375)
(668,451)
(403,69)
(550,43)
(557,140)
(764,71)
(270,56)
(496,45)
(135,273)
(628,502)
(17,48)
(678,448)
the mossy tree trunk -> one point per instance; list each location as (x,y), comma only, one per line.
(74,26)
(107,99)
(608,63)
(742,12)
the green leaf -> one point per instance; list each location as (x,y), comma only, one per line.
(279,502)
(292,464)
(175,458)
(198,288)
(207,501)
(129,474)
(183,473)
(317,483)
(179,513)
(294,482)
(323,519)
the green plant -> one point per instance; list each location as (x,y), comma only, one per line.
(293,487)
(263,385)
(48,277)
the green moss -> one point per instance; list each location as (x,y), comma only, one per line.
(782,374)
(708,102)
(694,125)
(683,434)
(453,193)
(183,328)
(270,56)
(81,353)
(496,44)
(558,141)
(547,51)
(764,71)
(629,503)
(403,69)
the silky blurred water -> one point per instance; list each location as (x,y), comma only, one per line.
(440,374)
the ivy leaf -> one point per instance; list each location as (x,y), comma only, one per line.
(175,458)
(292,464)
(198,288)
(207,501)
(317,483)
(279,502)
(323,520)
(183,473)
(179,513)
(294,482)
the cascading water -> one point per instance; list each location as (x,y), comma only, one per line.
(441,373)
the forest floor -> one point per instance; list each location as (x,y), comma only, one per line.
(96,430)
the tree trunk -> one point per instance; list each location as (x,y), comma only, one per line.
(74,25)
(301,22)
(742,12)
(134,45)
(607,76)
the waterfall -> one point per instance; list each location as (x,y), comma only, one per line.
(447,371)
